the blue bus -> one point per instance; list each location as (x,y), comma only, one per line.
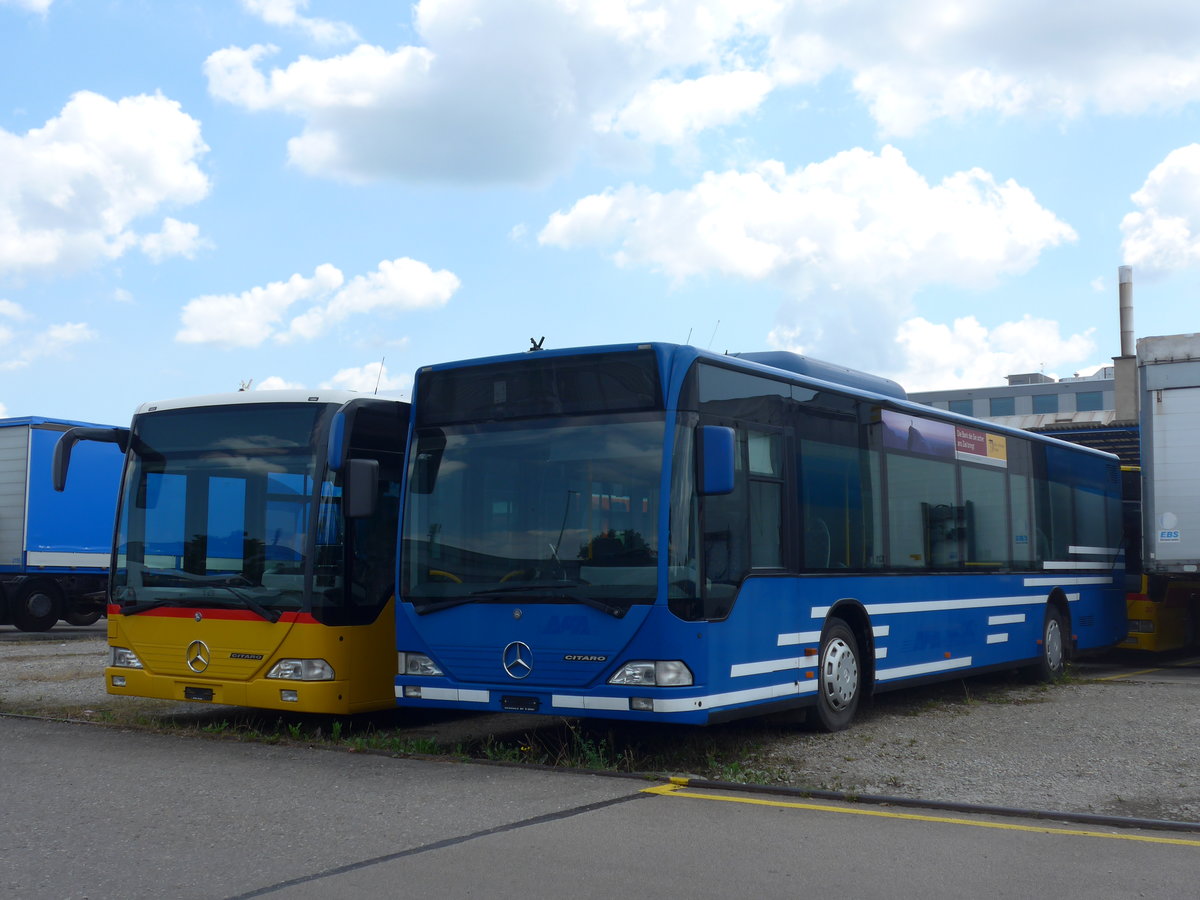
(653,532)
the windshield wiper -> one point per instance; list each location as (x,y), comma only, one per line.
(271,615)
(134,608)
(209,581)
(559,591)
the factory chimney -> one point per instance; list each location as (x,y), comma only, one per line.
(1125,366)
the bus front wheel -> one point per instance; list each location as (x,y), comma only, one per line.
(839,681)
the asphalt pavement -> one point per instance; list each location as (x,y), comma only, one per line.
(92,812)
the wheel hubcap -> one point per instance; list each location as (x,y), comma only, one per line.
(839,674)
(1054,645)
(38,605)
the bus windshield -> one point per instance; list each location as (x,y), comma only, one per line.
(217,509)
(542,510)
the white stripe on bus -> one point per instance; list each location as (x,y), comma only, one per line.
(918,606)
(1066,566)
(772,665)
(943,665)
(452,694)
(1014,619)
(716,701)
(565,701)
(799,637)
(66,559)
(1055,582)
(997,638)
(1095,551)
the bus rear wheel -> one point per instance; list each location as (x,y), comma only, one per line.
(839,680)
(1052,661)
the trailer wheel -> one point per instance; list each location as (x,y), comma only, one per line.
(1052,661)
(84,617)
(839,680)
(37,608)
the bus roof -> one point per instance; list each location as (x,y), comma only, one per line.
(240,397)
(674,359)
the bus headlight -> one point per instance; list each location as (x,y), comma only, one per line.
(302,670)
(124,658)
(653,673)
(416,664)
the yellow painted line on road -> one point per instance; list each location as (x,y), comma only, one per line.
(676,789)
(1129,674)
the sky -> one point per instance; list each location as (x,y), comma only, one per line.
(201,196)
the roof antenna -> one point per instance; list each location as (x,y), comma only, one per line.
(714,335)
(534,346)
(379,376)
(688,342)
(245,385)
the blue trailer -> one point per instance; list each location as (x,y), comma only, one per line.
(54,547)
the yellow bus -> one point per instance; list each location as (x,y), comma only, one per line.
(254,552)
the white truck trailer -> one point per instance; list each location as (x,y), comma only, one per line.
(1165,614)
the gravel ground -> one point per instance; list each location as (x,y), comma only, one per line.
(1123,748)
(1126,748)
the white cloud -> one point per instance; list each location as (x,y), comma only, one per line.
(1164,235)
(72,191)
(513,92)
(857,219)
(53,342)
(850,239)
(926,59)
(251,317)
(670,112)
(367,378)
(11,310)
(966,354)
(175,239)
(286,13)
(37,6)
(277,383)
(397,285)
(506,92)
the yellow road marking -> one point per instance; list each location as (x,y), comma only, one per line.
(676,789)
(1128,674)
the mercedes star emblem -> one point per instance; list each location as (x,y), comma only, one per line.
(197,656)
(517,659)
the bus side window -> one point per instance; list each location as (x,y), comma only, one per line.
(725,520)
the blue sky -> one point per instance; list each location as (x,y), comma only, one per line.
(194,195)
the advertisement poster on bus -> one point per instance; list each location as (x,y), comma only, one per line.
(928,437)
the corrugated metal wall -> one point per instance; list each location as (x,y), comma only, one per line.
(14,464)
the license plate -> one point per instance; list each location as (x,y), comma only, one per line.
(195,693)
(520,704)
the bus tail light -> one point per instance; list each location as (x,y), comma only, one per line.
(302,670)
(653,673)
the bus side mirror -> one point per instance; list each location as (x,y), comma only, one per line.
(62,450)
(715,464)
(427,460)
(360,488)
